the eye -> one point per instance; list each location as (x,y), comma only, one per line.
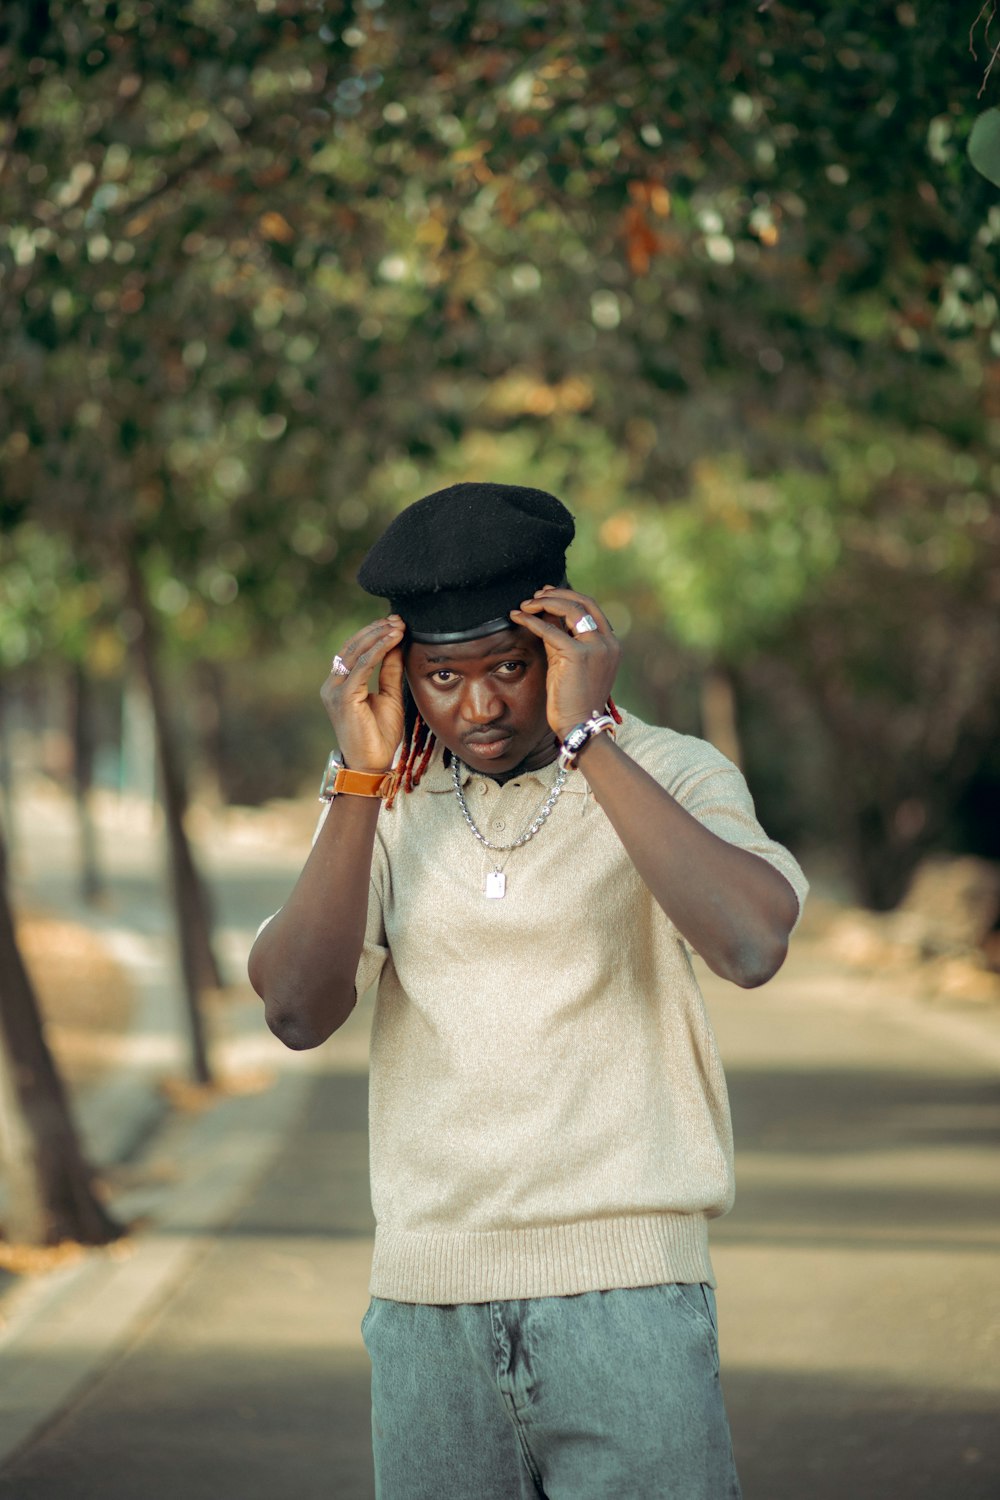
(514,666)
(442,676)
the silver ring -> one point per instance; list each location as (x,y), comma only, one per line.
(340,666)
(583,624)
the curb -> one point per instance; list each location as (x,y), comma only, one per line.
(119,1113)
(64,1329)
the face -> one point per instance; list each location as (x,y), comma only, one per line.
(485,700)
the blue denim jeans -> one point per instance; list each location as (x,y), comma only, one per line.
(606,1394)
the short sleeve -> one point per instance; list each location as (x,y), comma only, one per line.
(720,799)
(713,790)
(375,950)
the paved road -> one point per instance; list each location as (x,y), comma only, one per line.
(860,1282)
(859,1286)
(860,1298)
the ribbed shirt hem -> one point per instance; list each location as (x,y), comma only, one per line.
(552,1260)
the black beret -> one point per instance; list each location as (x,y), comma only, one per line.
(457,562)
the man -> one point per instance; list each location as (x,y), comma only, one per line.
(525,880)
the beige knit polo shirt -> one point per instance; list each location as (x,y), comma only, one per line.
(548,1109)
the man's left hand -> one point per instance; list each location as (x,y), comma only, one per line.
(581,668)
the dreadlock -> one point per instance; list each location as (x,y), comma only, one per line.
(419,742)
(418,747)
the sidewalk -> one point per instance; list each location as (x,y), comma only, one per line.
(249,861)
(187,1173)
(243,1375)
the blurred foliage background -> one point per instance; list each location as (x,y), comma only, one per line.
(721,276)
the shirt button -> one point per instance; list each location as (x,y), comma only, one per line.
(499,824)
(483,788)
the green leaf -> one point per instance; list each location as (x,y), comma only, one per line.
(984,145)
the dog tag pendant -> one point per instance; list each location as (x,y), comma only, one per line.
(496,884)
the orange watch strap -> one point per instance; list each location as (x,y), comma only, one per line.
(363,783)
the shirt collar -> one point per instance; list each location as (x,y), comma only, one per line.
(438,777)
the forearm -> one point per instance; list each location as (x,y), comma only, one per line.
(734,908)
(304,962)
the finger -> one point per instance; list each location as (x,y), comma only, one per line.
(390,677)
(570,608)
(552,635)
(362,640)
(571,597)
(365,650)
(563,588)
(352,648)
(375,653)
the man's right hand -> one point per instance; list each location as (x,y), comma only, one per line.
(368,726)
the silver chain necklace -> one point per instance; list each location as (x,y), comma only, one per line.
(496,880)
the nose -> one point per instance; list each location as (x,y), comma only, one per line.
(482,703)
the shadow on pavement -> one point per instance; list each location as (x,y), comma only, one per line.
(841,1109)
(256,1427)
(810,1437)
(825,1218)
(863,1158)
(250,1381)
(246,1424)
(318,1183)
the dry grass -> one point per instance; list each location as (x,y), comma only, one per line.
(40,1260)
(85,996)
(37,1260)
(193,1098)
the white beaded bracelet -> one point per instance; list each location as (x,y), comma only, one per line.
(580,734)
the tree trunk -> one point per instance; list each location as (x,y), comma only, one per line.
(81,699)
(49,1184)
(6,775)
(208,714)
(198,966)
(889,812)
(719,724)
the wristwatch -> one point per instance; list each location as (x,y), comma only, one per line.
(578,736)
(338,780)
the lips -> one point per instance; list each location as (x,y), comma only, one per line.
(488,747)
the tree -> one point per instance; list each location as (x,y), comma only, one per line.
(48,620)
(51,1192)
(266,262)
(874,580)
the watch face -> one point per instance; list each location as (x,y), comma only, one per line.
(333,765)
